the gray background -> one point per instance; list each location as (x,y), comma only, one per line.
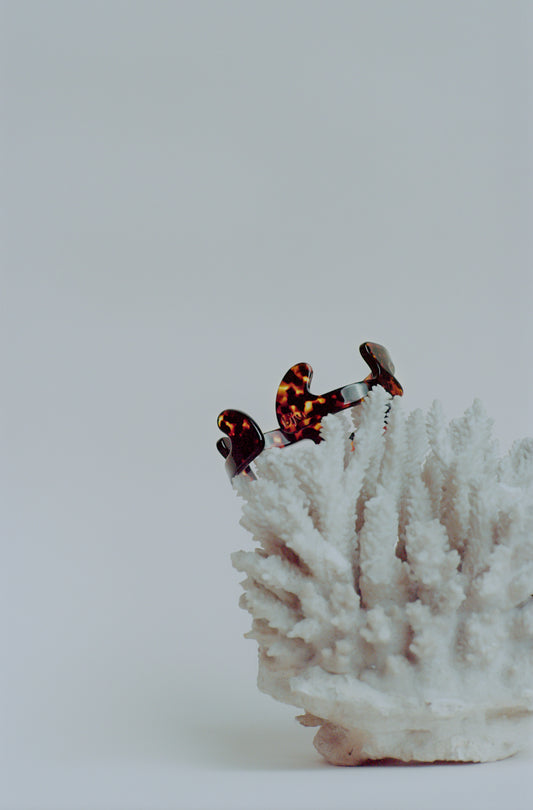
(197,195)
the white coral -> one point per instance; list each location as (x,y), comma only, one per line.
(391,585)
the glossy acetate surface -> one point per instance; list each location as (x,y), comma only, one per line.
(245,437)
(299,412)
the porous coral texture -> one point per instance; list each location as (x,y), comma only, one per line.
(391,584)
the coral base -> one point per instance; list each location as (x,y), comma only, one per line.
(498,739)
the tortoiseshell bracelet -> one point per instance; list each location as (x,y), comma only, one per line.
(299,412)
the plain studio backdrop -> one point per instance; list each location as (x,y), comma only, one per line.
(197,195)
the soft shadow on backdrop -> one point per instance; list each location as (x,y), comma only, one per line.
(198,195)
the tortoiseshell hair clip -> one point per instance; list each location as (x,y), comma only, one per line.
(299,412)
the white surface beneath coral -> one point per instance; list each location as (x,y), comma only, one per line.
(391,586)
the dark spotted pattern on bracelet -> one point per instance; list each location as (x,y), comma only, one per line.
(299,412)
(382,367)
(246,440)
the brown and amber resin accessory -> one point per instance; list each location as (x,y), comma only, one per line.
(299,412)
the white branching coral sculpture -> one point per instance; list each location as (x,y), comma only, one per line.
(391,586)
